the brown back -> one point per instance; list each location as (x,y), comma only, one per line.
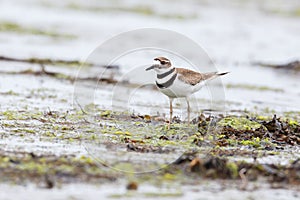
(192,77)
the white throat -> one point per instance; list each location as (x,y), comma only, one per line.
(163,70)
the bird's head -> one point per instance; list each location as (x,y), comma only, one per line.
(160,64)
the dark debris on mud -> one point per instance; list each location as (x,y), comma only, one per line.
(42,62)
(276,131)
(49,170)
(216,167)
(294,65)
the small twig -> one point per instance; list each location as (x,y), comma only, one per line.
(49,111)
(65,116)
(82,110)
(244,179)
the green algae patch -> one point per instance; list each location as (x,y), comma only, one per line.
(133,195)
(293,123)
(164,194)
(169,177)
(233,169)
(255,142)
(17,28)
(44,61)
(261,117)
(15,115)
(20,167)
(123,133)
(239,123)
(125,167)
(253,87)
(139,10)
(105,113)
(296,12)
(10,92)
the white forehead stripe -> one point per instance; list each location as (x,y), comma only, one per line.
(156,62)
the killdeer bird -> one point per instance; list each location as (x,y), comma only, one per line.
(179,82)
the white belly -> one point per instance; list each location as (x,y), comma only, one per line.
(181,89)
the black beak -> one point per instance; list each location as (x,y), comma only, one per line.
(151,67)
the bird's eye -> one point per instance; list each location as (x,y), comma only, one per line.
(163,62)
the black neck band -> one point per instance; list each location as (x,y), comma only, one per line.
(167,83)
(161,76)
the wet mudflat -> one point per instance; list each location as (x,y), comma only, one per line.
(52,144)
(53,149)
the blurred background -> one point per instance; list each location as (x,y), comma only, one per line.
(248,38)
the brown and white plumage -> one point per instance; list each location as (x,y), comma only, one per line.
(193,78)
(179,82)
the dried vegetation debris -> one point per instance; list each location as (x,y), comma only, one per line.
(233,130)
(222,168)
(293,65)
(46,170)
(58,62)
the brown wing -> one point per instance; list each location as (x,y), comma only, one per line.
(192,77)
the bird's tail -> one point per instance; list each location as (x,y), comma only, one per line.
(212,75)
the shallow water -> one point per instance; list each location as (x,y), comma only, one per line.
(206,190)
(233,38)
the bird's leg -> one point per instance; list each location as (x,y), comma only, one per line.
(171,112)
(188,110)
